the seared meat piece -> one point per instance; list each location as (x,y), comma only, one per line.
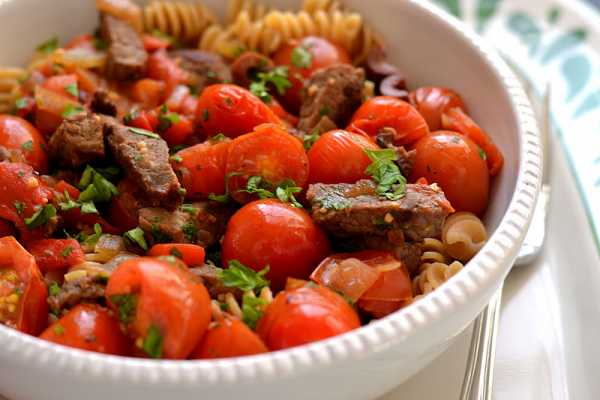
(209,275)
(88,289)
(247,65)
(126,54)
(406,158)
(145,157)
(78,140)
(203,223)
(334,92)
(206,68)
(350,209)
(103,104)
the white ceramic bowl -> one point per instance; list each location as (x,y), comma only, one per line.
(431,48)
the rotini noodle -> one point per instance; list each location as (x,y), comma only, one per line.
(255,11)
(184,21)
(234,307)
(433,275)
(312,6)
(10,79)
(463,235)
(219,40)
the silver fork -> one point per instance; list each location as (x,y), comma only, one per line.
(479,375)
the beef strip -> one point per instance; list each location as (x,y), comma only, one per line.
(88,289)
(146,160)
(406,158)
(334,92)
(203,226)
(209,275)
(205,68)
(78,140)
(103,104)
(352,209)
(126,54)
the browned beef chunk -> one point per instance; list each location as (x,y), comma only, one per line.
(78,140)
(334,92)
(246,66)
(209,275)
(351,209)
(201,223)
(146,159)
(126,54)
(88,289)
(406,158)
(103,104)
(205,68)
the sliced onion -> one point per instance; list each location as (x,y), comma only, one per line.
(108,247)
(349,276)
(79,57)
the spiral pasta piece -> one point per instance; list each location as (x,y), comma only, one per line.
(463,235)
(255,35)
(312,6)
(10,79)
(184,21)
(255,11)
(433,275)
(219,40)
(234,307)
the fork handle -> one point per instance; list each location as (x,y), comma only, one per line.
(479,375)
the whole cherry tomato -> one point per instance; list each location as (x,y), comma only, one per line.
(89,327)
(23,142)
(190,254)
(201,168)
(382,112)
(433,101)
(305,315)
(456,120)
(269,232)
(303,57)
(325,155)
(164,307)
(22,289)
(269,152)
(56,254)
(232,111)
(455,163)
(229,338)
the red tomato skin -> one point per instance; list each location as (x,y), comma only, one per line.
(325,155)
(433,101)
(54,254)
(84,41)
(32,309)
(201,168)
(453,161)
(389,112)
(323,54)
(305,315)
(152,43)
(50,107)
(269,152)
(169,298)
(269,232)
(89,327)
(191,254)
(161,67)
(179,132)
(148,92)
(59,83)
(232,111)
(229,338)
(15,134)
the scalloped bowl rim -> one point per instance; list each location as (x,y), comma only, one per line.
(481,272)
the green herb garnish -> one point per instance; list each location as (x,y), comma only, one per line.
(143,132)
(71,88)
(48,46)
(27,146)
(301,57)
(244,278)
(277,77)
(53,289)
(71,110)
(153,342)
(252,310)
(386,173)
(66,252)
(41,216)
(136,236)
(19,206)
(127,305)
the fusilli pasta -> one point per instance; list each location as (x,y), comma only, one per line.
(220,40)
(435,268)
(463,235)
(255,11)
(312,6)
(9,87)
(184,21)
(234,307)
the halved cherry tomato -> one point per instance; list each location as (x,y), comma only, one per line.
(456,120)
(303,57)
(56,254)
(229,338)
(22,289)
(325,155)
(433,101)
(144,119)
(88,80)
(305,315)
(201,168)
(148,92)
(269,152)
(161,67)
(153,43)
(179,132)
(89,327)
(231,110)
(454,162)
(23,142)
(50,107)
(269,232)
(164,307)
(61,84)
(382,112)
(191,254)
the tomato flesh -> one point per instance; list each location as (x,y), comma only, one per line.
(23,142)
(229,338)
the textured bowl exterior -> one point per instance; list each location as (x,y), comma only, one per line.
(362,364)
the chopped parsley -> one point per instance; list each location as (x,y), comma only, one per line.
(176,158)
(153,343)
(256,185)
(167,119)
(89,207)
(71,109)
(310,139)
(190,231)
(175,252)
(301,57)
(66,252)
(324,110)
(99,44)
(482,153)
(386,173)
(205,114)
(144,132)
(252,310)
(136,236)
(53,289)
(126,304)
(41,216)
(27,146)
(277,77)
(21,103)
(244,278)
(19,206)
(71,88)
(58,329)
(219,137)
(220,198)
(189,208)
(284,191)
(90,240)
(95,187)
(48,46)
